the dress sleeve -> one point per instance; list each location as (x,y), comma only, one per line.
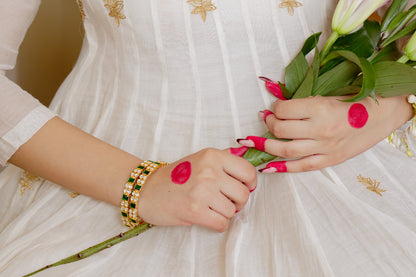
(21,115)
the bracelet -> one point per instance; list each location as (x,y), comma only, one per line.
(128,188)
(133,187)
(404,139)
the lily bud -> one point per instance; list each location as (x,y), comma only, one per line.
(410,49)
(350,14)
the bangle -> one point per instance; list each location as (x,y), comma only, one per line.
(131,195)
(128,188)
(404,139)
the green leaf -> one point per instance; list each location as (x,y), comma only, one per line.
(389,53)
(373,30)
(296,72)
(395,8)
(305,89)
(257,157)
(408,30)
(310,43)
(369,77)
(340,76)
(402,20)
(286,93)
(316,68)
(393,79)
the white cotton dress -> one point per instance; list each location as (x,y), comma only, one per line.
(164,84)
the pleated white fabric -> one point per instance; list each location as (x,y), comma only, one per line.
(165,84)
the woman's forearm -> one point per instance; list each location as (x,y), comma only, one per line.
(66,155)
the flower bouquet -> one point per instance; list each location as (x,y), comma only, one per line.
(360,59)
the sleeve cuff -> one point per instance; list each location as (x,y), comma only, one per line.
(23,131)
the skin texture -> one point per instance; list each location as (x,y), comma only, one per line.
(357,116)
(320,133)
(181,173)
(219,185)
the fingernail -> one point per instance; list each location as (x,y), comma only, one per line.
(259,142)
(246,142)
(264,114)
(252,141)
(240,151)
(253,189)
(273,87)
(236,211)
(274,167)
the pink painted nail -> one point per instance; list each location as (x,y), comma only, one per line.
(253,190)
(273,87)
(266,113)
(240,151)
(259,142)
(274,167)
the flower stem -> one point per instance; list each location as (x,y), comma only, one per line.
(98,247)
(403,59)
(329,43)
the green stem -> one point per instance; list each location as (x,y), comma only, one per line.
(404,59)
(98,247)
(329,43)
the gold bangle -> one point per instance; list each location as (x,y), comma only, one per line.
(128,189)
(133,215)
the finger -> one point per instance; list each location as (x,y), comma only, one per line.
(314,162)
(292,109)
(223,205)
(213,220)
(236,192)
(240,169)
(285,149)
(289,129)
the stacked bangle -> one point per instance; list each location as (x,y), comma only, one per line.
(404,138)
(132,189)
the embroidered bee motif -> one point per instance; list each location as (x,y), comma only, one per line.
(201,7)
(115,8)
(81,9)
(290,5)
(371,184)
(26,181)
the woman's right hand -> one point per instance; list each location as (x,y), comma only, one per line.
(211,187)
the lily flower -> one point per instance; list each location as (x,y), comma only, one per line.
(350,14)
(410,49)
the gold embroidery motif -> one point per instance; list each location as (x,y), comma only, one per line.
(201,7)
(290,5)
(73,194)
(115,8)
(371,184)
(81,9)
(26,181)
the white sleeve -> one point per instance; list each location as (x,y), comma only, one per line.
(21,115)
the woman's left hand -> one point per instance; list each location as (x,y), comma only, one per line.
(324,131)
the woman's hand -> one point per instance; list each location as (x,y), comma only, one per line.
(206,188)
(325,131)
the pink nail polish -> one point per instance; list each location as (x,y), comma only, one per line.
(253,190)
(240,151)
(246,142)
(275,167)
(259,142)
(266,113)
(273,87)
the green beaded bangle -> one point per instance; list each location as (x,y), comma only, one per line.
(128,189)
(135,195)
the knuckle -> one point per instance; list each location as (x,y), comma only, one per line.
(290,152)
(221,226)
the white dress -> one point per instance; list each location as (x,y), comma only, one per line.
(164,84)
